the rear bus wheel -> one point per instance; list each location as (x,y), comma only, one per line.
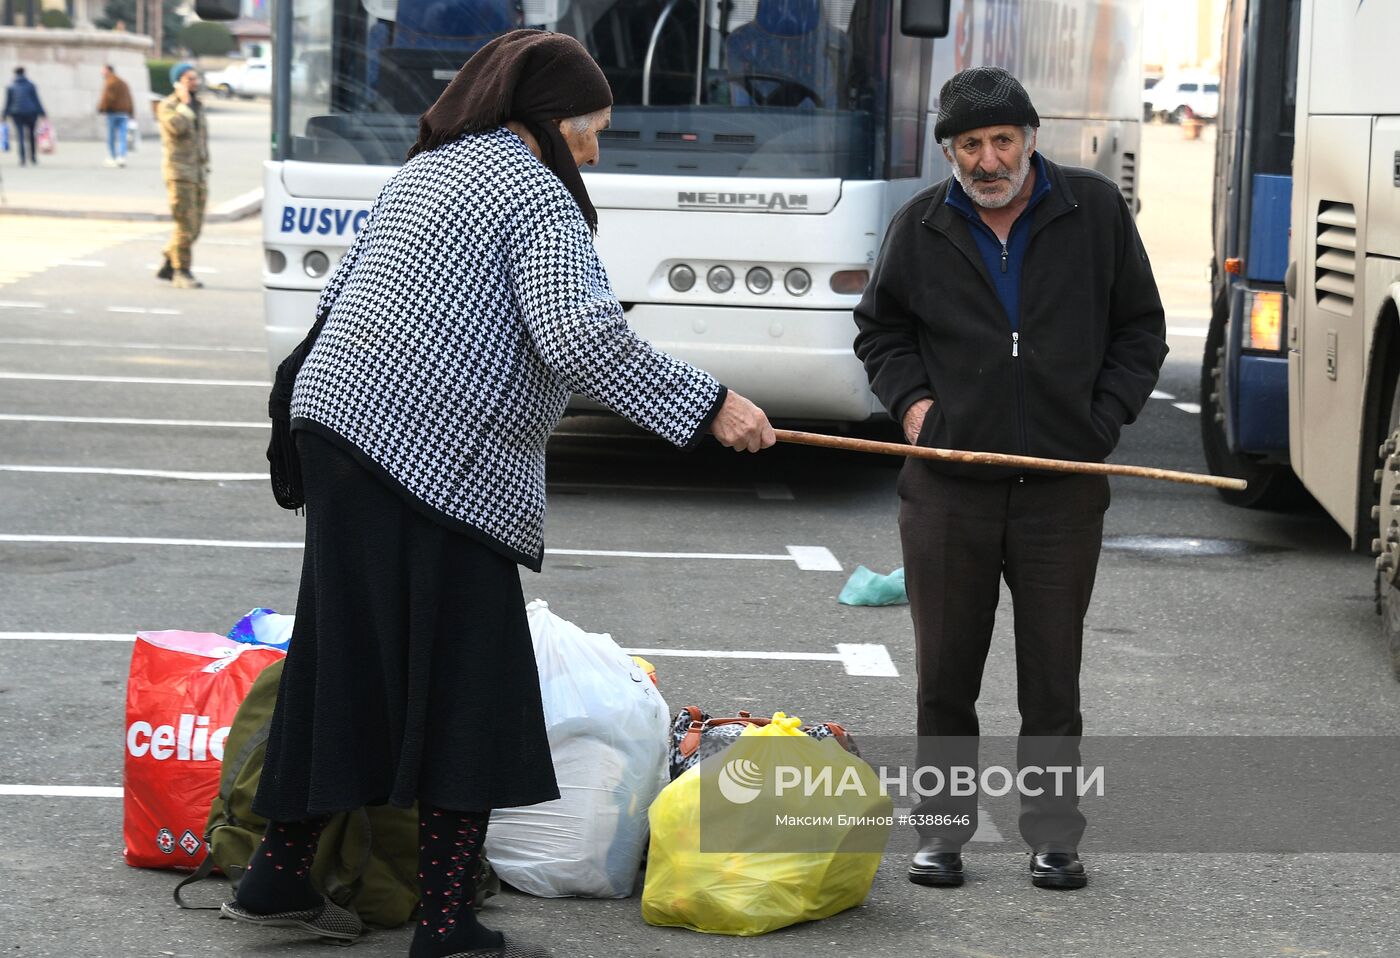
(1388,515)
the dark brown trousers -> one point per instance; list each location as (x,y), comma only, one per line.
(961,536)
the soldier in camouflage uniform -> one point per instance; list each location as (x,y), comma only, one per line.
(184,134)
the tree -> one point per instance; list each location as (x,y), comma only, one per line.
(55,20)
(125,12)
(207,39)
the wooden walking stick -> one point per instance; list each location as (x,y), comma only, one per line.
(1003,459)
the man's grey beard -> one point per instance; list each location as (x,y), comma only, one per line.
(1017,180)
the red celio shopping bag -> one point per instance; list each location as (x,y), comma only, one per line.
(181,696)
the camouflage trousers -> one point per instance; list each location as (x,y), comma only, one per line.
(187,200)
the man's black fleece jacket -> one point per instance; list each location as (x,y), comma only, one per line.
(1091,331)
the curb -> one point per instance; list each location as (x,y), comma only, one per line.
(238,208)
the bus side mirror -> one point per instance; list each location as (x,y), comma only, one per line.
(922,18)
(217,9)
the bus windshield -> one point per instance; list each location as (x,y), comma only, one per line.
(773,88)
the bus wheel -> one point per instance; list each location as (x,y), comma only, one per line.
(1388,545)
(1271,486)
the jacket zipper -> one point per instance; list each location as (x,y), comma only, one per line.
(1020,392)
(1003,257)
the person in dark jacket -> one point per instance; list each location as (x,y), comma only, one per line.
(1012,309)
(22,105)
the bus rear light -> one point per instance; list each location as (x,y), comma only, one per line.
(759,281)
(316,264)
(276,261)
(1234,265)
(850,282)
(720,279)
(682,278)
(798,282)
(1265,329)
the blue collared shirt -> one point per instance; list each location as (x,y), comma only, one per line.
(1003,262)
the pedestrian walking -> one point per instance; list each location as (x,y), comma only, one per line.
(1012,309)
(117,106)
(22,105)
(451,335)
(184,134)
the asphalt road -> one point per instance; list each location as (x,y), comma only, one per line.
(1277,638)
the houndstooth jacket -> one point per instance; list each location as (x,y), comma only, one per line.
(466,311)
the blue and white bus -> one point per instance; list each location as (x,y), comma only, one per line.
(758,149)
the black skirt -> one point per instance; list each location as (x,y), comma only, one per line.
(411,674)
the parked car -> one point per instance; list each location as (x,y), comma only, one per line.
(1177,97)
(248,79)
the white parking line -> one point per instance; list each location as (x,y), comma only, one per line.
(68,636)
(63,791)
(98,344)
(116,421)
(142,473)
(864,660)
(807,558)
(814,558)
(133,380)
(1193,332)
(91,263)
(1191,407)
(19,304)
(1158,394)
(144,310)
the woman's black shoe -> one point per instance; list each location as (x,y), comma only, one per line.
(1058,870)
(166,271)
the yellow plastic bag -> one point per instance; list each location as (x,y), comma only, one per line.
(777,829)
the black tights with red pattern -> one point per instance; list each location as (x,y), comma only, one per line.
(449,853)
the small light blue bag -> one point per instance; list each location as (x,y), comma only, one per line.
(870,588)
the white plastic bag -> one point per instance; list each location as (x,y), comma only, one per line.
(607,727)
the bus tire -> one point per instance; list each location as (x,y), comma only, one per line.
(1271,486)
(1387,591)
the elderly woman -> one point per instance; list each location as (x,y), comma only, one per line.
(454,330)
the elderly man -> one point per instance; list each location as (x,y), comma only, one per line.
(185,137)
(1012,309)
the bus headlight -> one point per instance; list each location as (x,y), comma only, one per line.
(721,279)
(682,278)
(798,282)
(759,281)
(276,261)
(850,282)
(1265,329)
(316,264)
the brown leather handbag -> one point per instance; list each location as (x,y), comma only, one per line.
(695,736)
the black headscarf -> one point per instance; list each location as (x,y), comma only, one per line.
(531,76)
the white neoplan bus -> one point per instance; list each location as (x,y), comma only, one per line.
(758,149)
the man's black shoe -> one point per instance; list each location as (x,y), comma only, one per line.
(1058,870)
(166,271)
(932,865)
